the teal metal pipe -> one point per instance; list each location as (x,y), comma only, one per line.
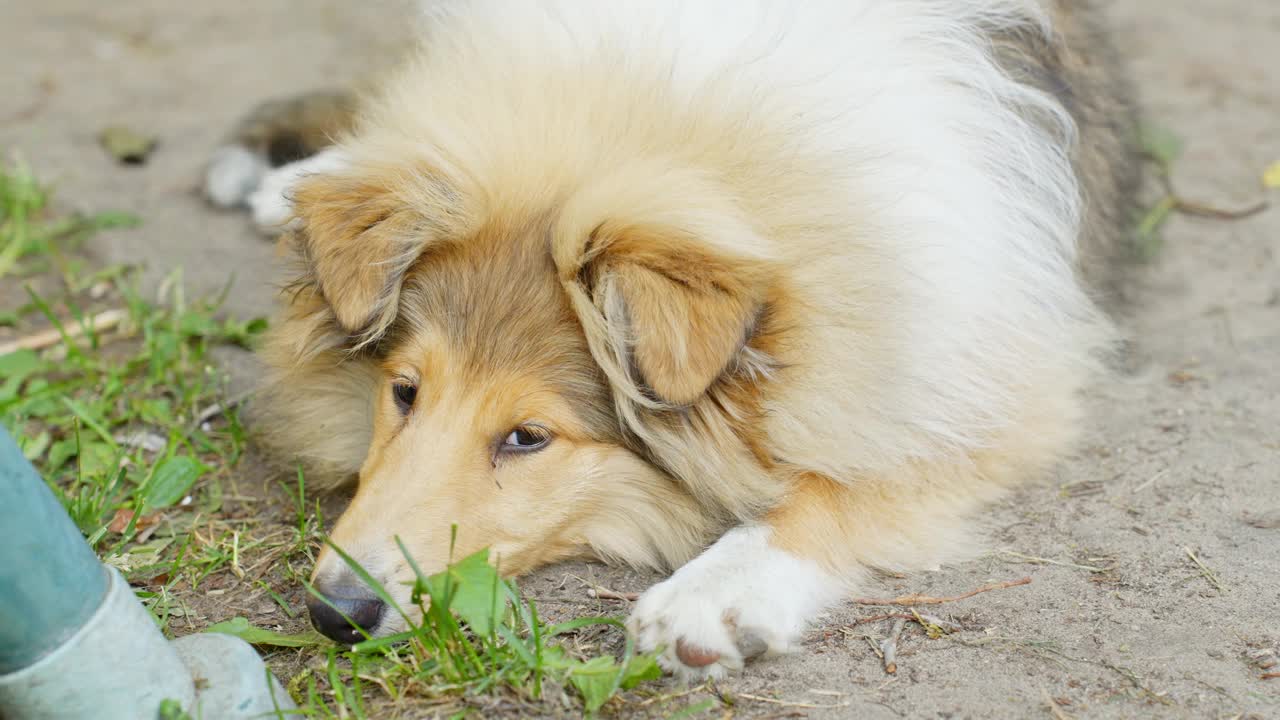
(50,580)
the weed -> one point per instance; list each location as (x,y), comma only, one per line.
(478,634)
(31,242)
(109,420)
(113,430)
(1161,149)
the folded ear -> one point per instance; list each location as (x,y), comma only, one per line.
(357,237)
(674,311)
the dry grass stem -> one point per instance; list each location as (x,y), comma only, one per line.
(787,703)
(103,321)
(918,599)
(1049,561)
(1209,575)
(1054,710)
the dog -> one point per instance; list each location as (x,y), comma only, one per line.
(771,294)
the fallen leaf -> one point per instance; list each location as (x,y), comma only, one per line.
(1264,521)
(1271,176)
(120,521)
(126,145)
(160,579)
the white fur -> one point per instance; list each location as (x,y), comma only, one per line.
(741,587)
(233,173)
(920,203)
(271,204)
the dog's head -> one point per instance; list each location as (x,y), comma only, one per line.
(518,369)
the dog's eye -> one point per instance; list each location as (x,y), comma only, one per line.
(404,394)
(526,439)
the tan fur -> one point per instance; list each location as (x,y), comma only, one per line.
(917,516)
(684,313)
(487,334)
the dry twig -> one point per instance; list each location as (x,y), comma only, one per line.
(607,594)
(219,408)
(672,696)
(1054,710)
(1264,521)
(1269,676)
(787,703)
(882,616)
(104,320)
(918,599)
(1199,209)
(889,648)
(924,620)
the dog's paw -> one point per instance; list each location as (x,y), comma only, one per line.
(271,204)
(740,599)
(233,174)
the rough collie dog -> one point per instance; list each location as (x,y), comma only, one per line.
(772,294)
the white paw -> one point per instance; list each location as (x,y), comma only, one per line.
(739,599)
(271,203)
(233,173)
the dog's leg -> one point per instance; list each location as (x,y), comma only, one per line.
(270,146)
(754,591)
(744,596)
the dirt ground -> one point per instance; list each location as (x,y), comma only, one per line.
(1182,458)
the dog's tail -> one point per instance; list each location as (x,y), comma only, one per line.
(276,133)
(1078,65)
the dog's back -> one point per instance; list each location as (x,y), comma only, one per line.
(1076,63)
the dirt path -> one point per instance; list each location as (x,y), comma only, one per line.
(1184,450)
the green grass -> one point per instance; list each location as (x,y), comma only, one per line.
(31,241)
(476,635)
(116,428)
(118,422)
(110,422)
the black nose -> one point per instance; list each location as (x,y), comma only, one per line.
(357,603)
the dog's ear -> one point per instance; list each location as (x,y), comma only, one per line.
(673,311)
(357,237)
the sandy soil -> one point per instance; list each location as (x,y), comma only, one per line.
(1183,453)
